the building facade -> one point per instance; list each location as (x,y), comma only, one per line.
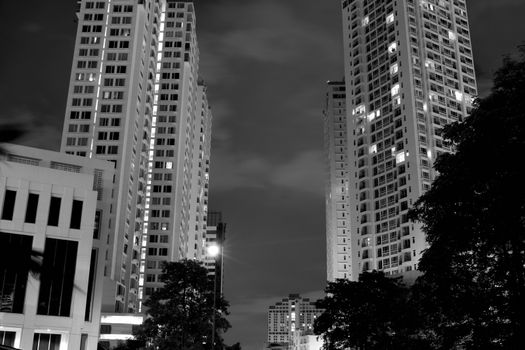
(338,239)
(409,71)
(53,211)
(134,100)
(289,316)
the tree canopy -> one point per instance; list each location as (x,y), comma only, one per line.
(371,313)
(474,219)
(180,314)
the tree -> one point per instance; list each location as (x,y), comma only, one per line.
(180,314)
(473,285)
(372,313)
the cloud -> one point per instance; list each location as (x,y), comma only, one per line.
(31,27)
(304,172)
(265,32)
(38,132)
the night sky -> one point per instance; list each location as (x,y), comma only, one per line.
(266,63)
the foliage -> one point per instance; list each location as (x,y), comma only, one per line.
(372,313)
(180,314)
(474,218)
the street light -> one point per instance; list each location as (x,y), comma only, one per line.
(213,252)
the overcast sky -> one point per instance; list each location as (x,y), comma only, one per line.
(266,63)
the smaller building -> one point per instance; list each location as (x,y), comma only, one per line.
(52,248)
(291,315)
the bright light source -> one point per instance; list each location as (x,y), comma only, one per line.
(125,319)
(213,250)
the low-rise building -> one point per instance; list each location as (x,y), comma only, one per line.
(52,245)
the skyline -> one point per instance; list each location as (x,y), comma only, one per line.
(247,165)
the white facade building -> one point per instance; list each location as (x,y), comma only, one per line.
(338,239)
(134,100)
(409,71)
(52,203)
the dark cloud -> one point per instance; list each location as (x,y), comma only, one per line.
(266,64)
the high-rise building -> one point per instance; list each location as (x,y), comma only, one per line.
(52,209)
(200,176)
(134,100)
(409,71)
(338,253)
(288,316)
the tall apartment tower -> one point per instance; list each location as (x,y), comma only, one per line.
(338,254)
(409,71)
(133,101)
(290,315)
(196,247)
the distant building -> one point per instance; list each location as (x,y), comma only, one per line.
(338,239)
(290,315)
(55,204)
(409,71)
(216,235)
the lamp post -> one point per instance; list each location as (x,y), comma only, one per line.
(214,251)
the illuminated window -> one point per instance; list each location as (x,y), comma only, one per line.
(400,157)
(392,47)
(395,90)
(394,68)
(390,18)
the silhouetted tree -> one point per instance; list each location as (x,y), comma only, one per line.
(180,314)
(473,286)
(372,313)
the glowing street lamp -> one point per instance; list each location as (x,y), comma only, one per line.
(213,250)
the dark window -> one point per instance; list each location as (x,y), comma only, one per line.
(83,341)
(7,338)
(32,206)
(56,282)
(15,260)
(54,211)
(43,341)
(76,214)
(105,329)
(96,228)
(9,205)
(91,284)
